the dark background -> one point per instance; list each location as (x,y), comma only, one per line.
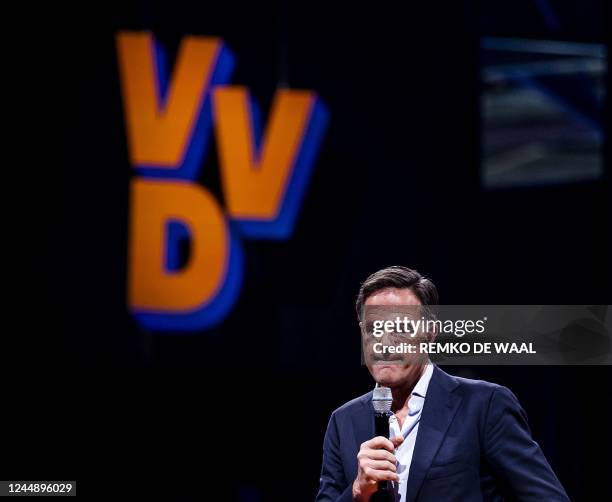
(398,181)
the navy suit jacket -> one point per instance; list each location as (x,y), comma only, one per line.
(473,444)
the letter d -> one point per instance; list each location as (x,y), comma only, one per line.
(202,291)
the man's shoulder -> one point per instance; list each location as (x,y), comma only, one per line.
(354,405)
(466,385)
(473,384)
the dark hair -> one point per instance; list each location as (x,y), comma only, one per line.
(401,278)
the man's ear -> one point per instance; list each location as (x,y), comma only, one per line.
(431,335)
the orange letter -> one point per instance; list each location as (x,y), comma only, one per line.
(255,183)
(152,287)
(160,128)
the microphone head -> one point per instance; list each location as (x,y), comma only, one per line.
(382,399)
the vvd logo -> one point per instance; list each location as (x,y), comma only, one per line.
(169,122)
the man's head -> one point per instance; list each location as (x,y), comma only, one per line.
(395,286)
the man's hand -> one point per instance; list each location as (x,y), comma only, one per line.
(376,462)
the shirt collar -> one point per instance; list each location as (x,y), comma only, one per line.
(420,389)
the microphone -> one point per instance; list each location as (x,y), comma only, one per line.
(382,400)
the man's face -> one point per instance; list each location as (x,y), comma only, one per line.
(393,374)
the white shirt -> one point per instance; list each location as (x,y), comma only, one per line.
(409,430)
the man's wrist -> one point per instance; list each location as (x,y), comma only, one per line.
(358,494)
(356,491)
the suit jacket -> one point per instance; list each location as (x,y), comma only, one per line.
(473,444)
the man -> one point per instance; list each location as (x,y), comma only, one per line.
(451,438)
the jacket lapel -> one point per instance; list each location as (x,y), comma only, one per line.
(440,407)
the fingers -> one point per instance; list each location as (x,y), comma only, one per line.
(379,442)
(373,475)
(382,465)
(376,460)
(377,455)
(397,440)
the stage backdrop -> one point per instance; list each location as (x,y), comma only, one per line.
(234,171)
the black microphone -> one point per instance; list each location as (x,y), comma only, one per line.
(382,400)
